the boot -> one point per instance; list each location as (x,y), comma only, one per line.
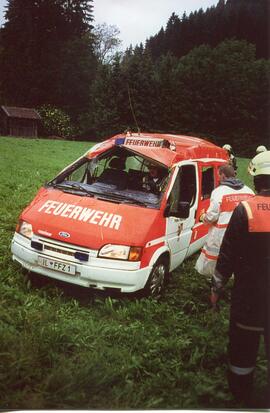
(241,386)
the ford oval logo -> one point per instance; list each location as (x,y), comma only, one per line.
(64,234)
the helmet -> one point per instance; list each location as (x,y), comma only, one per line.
(261,148)
(260,164)
(227,147)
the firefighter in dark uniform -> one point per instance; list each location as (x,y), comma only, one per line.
(245,252)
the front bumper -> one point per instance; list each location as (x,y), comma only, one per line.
(97,273)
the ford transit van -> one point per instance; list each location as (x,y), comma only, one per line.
(104,223)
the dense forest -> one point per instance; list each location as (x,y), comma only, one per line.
(205,74)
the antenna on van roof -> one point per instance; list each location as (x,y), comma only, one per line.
(132,110)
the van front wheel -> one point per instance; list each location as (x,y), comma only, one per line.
(157,279)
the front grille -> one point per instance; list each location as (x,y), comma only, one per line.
(60,251)
(80,253)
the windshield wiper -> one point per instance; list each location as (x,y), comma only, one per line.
(122,199)
(72,185)
(134,201)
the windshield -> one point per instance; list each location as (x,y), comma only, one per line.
(118,175)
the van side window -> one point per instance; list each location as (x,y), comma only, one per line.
(100,166)
(184,187)
(79,174)
(175,195)
(207,181)
(188,184)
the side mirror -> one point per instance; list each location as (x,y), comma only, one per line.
(182,212)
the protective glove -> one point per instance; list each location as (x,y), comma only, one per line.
(202,215)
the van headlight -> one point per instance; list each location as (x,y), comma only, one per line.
(120,252)
(25,229)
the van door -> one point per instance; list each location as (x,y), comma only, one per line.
(207,182)
(178,229)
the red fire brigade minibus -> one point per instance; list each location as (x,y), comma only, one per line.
(107,222)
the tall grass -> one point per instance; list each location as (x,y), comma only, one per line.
(63,347)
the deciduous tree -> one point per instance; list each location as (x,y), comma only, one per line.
(106,41)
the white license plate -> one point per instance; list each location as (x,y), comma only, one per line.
(57,265)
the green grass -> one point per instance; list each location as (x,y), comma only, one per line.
(68,348)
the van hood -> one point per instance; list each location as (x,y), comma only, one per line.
(90,222)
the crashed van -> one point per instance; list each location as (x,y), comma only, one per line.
(98,224)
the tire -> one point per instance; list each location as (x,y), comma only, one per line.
(157,279)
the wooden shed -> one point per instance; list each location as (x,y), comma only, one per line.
(18,121)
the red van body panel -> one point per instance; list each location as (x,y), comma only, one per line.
(72,233)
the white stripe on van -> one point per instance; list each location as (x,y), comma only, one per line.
(155,242)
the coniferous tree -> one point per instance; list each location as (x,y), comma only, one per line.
(240,19)
(220,93)
(47,53)
(156,44)
(138,71)
(109,101)
(165,77)
(173,32)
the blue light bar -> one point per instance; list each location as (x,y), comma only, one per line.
(120,141)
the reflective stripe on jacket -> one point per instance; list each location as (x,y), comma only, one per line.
(224,199)
(223,202)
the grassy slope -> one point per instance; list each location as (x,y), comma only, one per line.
(70,349)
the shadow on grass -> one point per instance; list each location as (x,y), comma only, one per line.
(84,295)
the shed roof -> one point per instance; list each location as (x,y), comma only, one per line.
(23,113)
